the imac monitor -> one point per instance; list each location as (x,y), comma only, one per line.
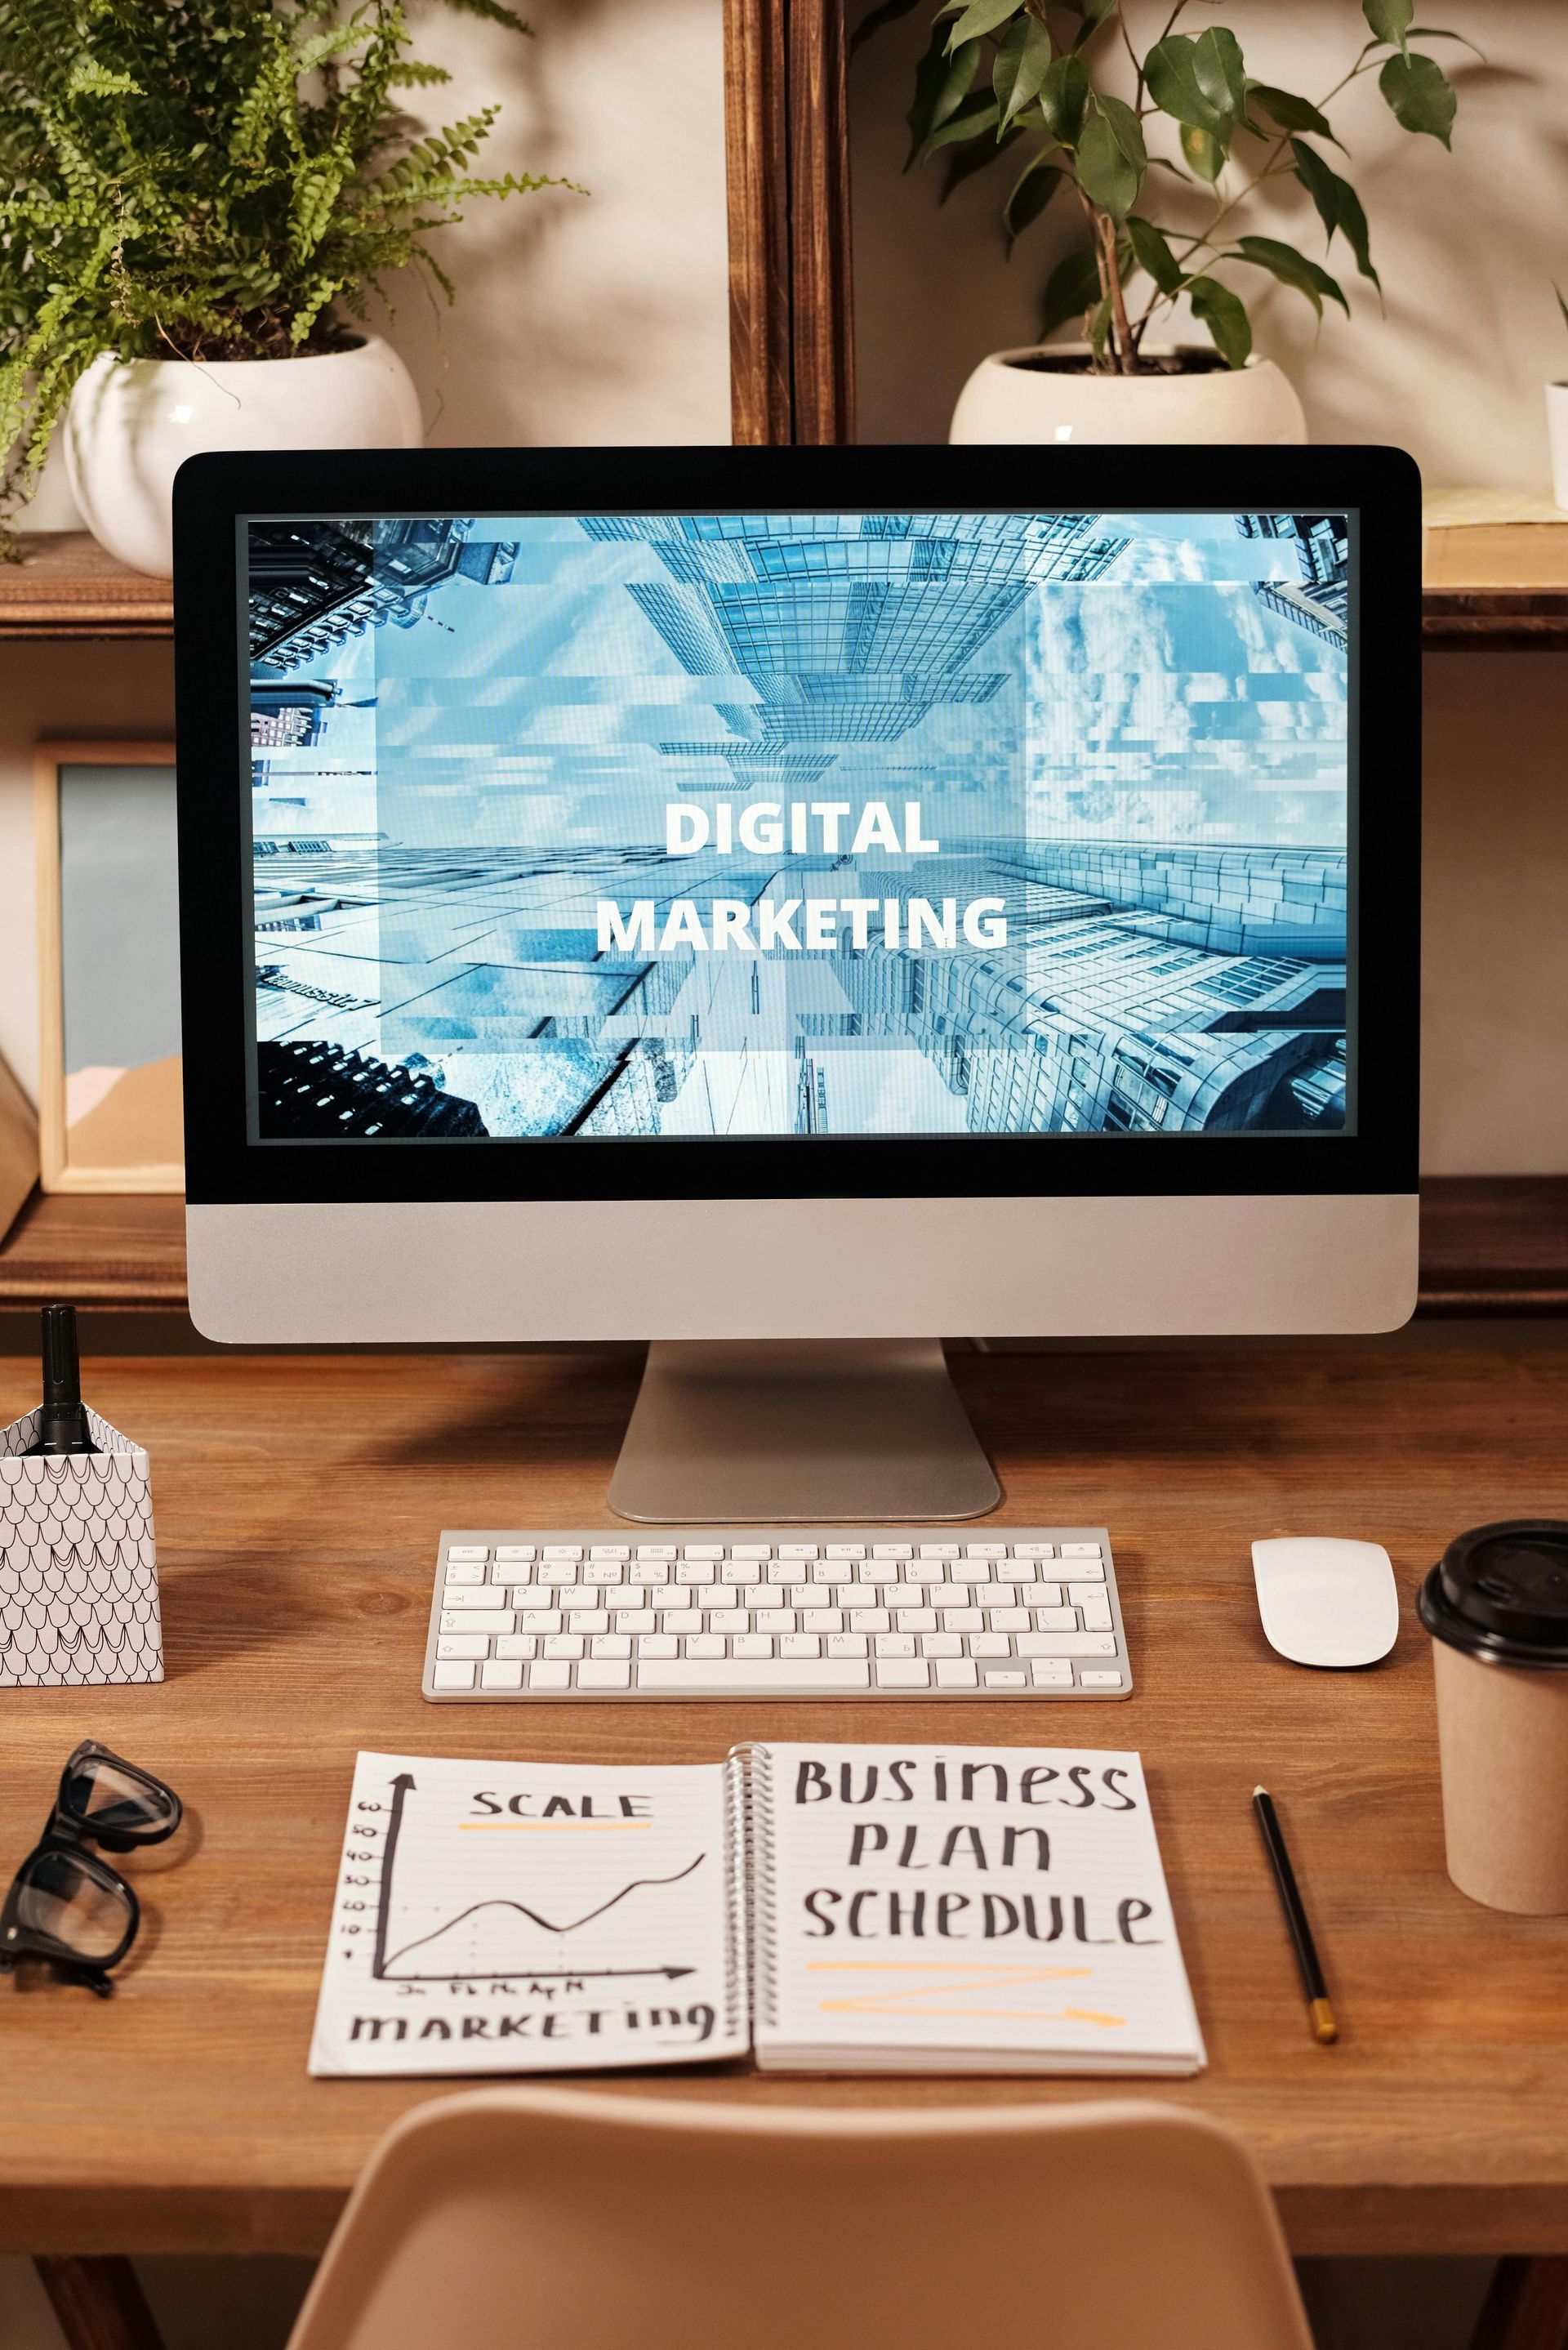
(798,897)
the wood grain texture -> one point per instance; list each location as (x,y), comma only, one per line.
(297,1501)
(65,586)
(98,2304)
(127,1252)
(787,173)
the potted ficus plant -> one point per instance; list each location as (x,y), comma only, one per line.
(195,202)
(1068,93)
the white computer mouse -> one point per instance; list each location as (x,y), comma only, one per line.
(1327,1601)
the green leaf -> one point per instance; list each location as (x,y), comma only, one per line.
(1338,205)
(1064,97)
(1071,287)
(1032,191)
(978,156)
(887,13)
(1419,95)
(1293,268)
(1216,308)
(982,17)
(1201,83)
(1019,66)
(1127,130)
(976,114)
(1205,153)
(942,85)
(1154,254)
(1289,113)
(1389,19)
(1094,14)
(1105,174)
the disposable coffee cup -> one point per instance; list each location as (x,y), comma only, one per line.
(1496,1605)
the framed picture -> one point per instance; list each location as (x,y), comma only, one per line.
(110,1112)
(786,153)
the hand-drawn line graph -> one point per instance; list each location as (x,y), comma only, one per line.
(484,1940)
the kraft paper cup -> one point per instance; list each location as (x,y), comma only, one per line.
(1497,1608)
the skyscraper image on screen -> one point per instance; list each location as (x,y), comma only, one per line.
(890,824)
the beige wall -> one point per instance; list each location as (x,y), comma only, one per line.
(604,318)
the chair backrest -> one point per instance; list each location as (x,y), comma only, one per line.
(554,2220)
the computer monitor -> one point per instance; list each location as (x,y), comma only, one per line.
(761,899)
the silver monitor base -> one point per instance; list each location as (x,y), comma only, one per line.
(807,1432)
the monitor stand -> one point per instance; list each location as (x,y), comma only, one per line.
(802,1431)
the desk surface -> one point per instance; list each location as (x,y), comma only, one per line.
(297,1501)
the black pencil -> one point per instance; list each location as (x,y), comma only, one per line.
(1319,2015)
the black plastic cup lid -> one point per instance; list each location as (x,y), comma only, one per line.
(1500,1592)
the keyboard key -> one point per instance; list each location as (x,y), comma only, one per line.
(1095,1610)
(696,1570)
(958,1676)
(742,1674)
(674,1596)
(1045,1595)
(797,1550)
(940,1644)
(501,1673)
(453,1675)
(610,1550)
(881,1571)
(709,1550)
(468,1550)
(706,1644)
(800,1645)
(893,1550)
(1057,1619)
(1077,1644)
(627,1596)
(753,1551)
(1081,1550)
(563,1550)
(610,1644)
(1087,1570)
(894,1644)
(1047,1675)
(741,1570)
(658,1644)
(603,1570)
(846,1644)
(990,1644)
(650,1570)
(1008,1619)
(462,1571)
(870,1620)
(512,1552)
(721,1598)
(562,1645)
(751,1644)
(915,1619)
(464,1644)
(985,1550)
(587,1619)
(962,1619)
(1094,1679)
(940,1550)
(517,1644)
(900,1673)
(556,1571)
(478,1619)
(539,1619)
(636,1619)
(604,1677)
(465,1600)
(656,1550)
(549,1676)
(844,1550)
(1006,1681)
(1033,1550)
(774,1619)
(821,1619)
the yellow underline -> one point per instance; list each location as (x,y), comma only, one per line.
(549,1827)
(937,1967)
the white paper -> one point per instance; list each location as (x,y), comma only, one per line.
(989,1909)
(524,1916)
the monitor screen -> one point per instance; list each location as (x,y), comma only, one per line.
(877,824)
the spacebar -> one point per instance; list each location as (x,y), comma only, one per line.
(783,1674)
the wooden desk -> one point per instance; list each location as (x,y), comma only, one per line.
(297,1501)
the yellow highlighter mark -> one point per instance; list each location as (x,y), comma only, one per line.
(957,1978)
(549,1827)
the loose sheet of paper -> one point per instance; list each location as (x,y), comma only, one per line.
(519,1917)
(1006,1903)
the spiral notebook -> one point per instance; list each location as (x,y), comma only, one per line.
(827,1908)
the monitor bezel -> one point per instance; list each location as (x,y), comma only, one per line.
(214,491)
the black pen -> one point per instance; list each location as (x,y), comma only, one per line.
(1319,2015)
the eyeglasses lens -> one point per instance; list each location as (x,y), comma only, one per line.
(61,1897)
(107,1796)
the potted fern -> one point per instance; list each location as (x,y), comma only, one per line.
(195,202)
(1064,89)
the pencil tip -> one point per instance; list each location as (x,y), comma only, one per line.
(1260,1791)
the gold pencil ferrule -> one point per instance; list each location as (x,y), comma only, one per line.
(1323,2026)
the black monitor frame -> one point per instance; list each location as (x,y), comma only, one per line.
(1379,487)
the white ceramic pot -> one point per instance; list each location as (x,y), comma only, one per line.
(1557,432)
(132,424)
(1006,399)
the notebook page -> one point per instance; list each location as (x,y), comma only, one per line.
(525,1917)
(1006,1904)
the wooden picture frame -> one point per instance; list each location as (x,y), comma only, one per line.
(93,1164)
(786,151)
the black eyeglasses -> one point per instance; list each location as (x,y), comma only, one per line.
(67,1906)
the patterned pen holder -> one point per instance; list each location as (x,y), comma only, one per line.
(79,1578)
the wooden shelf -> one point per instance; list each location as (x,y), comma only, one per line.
(1495,587)
(1489,1244)
(65,586)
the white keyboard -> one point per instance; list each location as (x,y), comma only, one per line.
(826,1611)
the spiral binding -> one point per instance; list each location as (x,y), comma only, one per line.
(751,1806)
